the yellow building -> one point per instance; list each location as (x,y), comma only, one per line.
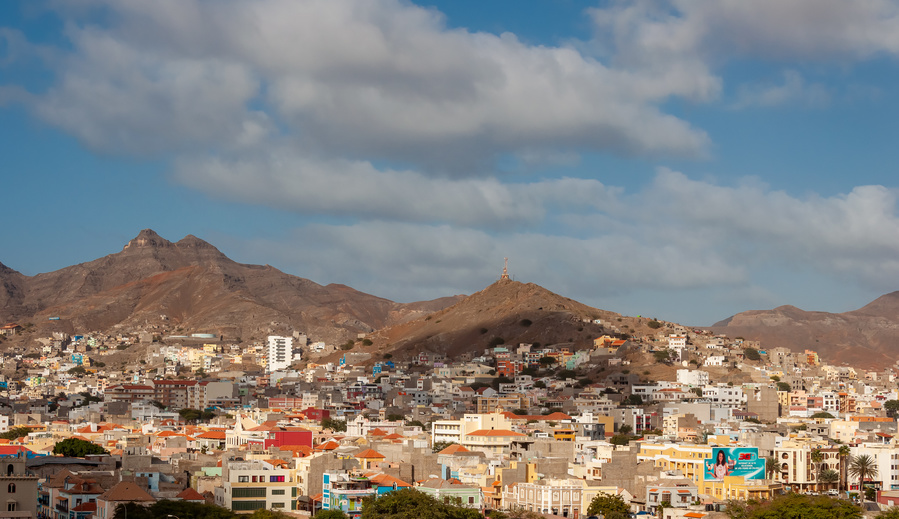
(689,459)
(736,487)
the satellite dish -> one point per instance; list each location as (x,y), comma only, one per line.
(685,363)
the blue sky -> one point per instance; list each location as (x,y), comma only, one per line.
(682,160)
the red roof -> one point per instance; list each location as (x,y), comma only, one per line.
(369,454)
(189,494)
(454,448)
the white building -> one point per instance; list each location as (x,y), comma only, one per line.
(677,344)
(715,360)
(280,353)
(250,485)
(692,377)
(724,395)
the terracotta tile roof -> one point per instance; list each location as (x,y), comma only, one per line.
(212,435)
(189,494)
(86,507)
(126,491)
(370,454)
(454,448)
(384,480)
(377,432)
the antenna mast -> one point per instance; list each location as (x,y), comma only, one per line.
(505,269)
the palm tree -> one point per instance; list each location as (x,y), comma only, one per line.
(770,467)
(844,477)
(863,467)
(829,477)
(817,458)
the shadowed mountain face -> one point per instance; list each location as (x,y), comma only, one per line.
(191,285)
(506,312)
(867,337)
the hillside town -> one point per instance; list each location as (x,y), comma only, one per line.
(676,424)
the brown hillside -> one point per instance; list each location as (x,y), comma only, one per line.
(867,337)
(191,286)
(508,310)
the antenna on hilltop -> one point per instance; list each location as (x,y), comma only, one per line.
(505,269)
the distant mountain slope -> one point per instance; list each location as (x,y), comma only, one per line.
(508,310)
(867,337)
(191,285)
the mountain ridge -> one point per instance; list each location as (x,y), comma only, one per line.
(190,284)
(864,337)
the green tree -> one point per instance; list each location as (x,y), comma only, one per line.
(610,506)
(274,514)
(751,354)
(817,458)
(18,432)
(863,467)
(655,325)
(633,400)
(794,506)
(546,361)
(829,477)
(77,448)
(770,467)
(566,373)
(625,429)
(663,356)
(890,513)
(334,425)
(822,414)
(331,514)
(189,415)
(181,509)
(393,417)
(620,439)
(783,386)
(409,503)
(439,446)
(891,407)
(844,452)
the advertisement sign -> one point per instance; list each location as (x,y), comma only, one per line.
(734,461)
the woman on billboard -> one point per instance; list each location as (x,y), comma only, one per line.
(722,465)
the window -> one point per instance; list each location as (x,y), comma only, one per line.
(276,479)
(278,492)
(277,505)
(11,507)
(11,488)
(244,479)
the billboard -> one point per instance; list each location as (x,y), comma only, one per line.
(734,461)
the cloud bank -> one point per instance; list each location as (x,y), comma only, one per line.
(379,115)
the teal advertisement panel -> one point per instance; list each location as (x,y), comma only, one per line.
(734,461)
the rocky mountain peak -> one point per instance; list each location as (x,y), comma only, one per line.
(147,239)
(192,242)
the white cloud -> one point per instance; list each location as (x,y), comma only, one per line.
(353,78)
(794,90)
(655,30)
(676,235)
(411,261)
(296,182)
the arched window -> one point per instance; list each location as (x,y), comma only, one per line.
(11,488)
(10,469)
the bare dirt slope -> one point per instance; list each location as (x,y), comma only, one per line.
(190,285)
(506,312)
(867,337)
